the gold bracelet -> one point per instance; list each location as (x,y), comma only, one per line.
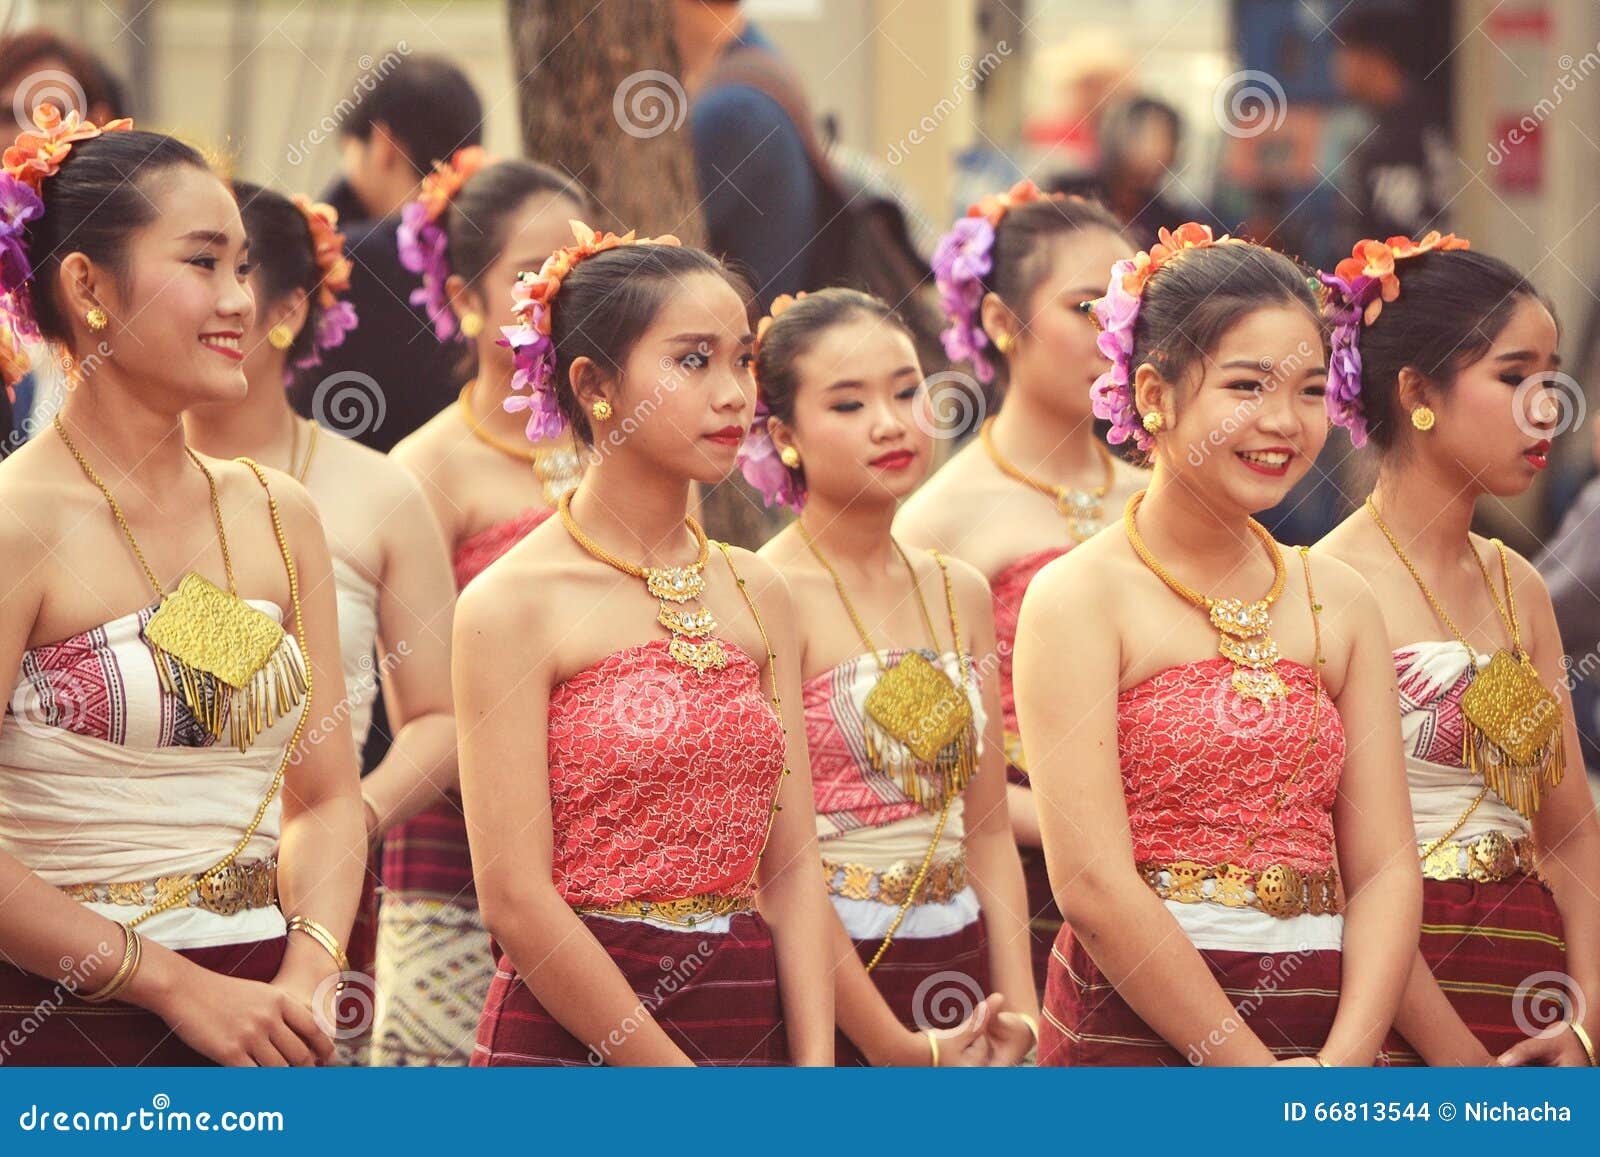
(933,1049)
(1583,1038)
(132,953)
(322,936)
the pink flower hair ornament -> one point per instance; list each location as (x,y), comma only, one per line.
(532,348)
(422,240)
(758,457)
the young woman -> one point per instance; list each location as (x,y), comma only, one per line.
(1014,274)
(1444,363)
(391,575)
(1227,832)
(633,759)
(477,223)
(171,622)
(901,706)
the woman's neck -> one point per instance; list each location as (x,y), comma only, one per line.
(125,438)
(1033,439)
(635,512)
(262,426)
(1181,528)
(853,536)
(486,395)
(1430,515)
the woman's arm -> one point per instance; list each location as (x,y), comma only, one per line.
(1373,830)
(1568,838)
(1067,671)
(417,597)
(790,886)
(502,678)
(322,844)
(993,866)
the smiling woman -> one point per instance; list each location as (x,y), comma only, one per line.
(156,831)
(638,798)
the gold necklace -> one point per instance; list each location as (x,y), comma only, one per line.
(557,468)
(1081,508)
(1514,734)
(1243,628)
(918,725)
(224,659)
(692,643)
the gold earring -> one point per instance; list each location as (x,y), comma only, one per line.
(1422,418)
(790,457)
(1003,343)
(601,410)
(471,324)
(1154,421)
(280,337)
(97,319)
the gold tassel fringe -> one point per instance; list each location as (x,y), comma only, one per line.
(1523,786)
(274,691)
(927,783)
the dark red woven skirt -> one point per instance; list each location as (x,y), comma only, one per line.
(931,983)
(56,1028)
(1484,942)
(1288,999)
(714,993)
(427,856)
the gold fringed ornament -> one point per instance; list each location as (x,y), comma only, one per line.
(1513,732)
(229,663)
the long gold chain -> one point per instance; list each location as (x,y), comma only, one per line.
(844,595)
(116,511)
(626,567)
(1081,506)
(1508,618)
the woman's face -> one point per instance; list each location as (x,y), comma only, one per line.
(1494,425)
(856,421)
(184,320)
(1055,359)
(536,229)
(1257,419)
(687,396)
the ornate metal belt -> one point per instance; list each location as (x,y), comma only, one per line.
(230,891)
(1491,857)
(944,881)
(1278,890)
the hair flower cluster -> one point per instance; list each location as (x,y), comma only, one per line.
(422,239)
(758,456)
(335,318)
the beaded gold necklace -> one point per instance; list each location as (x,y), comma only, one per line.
(1081,508)
(224,659)
(557,468)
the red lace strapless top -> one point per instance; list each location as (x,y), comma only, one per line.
(1008,586)
(661,780)
(477,551)
(1201,769)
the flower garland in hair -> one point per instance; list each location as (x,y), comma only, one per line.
(1354,295)
(1116,313)
(422,236)
(33,157)
(961,260)
(758,456)
(532,347)
(335,318)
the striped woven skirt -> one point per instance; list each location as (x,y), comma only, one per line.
(927,983)
(714,993)
(1486,943)
(43,1023)
(1288,999)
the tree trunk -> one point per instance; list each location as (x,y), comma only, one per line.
(598,96)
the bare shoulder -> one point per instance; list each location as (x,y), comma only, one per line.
(970,587)
(1348,542)
(426,451)
(1527,584)
(939,511)
(34,510)
(1336,582)
(237,480)
(381,476)
(762,581)
(1094,570)
(530,588)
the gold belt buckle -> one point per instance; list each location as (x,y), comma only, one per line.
(1491,857)
(945,879)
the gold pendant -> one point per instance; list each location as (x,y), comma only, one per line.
(1242,639)
(700,655)
(1513,737)
(919,729)
(254,677)
(1082,511)
(675,584)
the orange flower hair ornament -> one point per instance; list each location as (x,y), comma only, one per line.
(758,455)
(335,318)
(422,239)
(1354,295)
(37,155)
(1116,313)
(532,297)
